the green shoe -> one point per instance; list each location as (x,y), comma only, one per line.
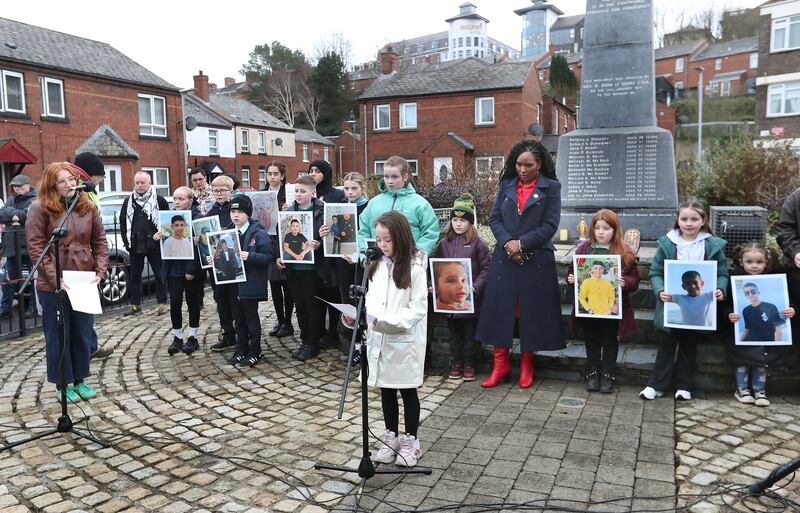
(72,395)
(84,390)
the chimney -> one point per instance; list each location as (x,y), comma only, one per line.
(229,81)
(390,60)
(201,86)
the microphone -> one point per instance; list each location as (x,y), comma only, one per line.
(372,253)
(85,186)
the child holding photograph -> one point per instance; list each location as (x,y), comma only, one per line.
(184,277)
(398,298)
(222,188)
(281,298)
(762,322)
(461,240)
(256,255)
(690,239)
(602,336)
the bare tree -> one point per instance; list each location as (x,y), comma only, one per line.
(311,108)
(336,43)
(282,96)
(708,19)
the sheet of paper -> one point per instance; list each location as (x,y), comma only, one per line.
(289,188)
(347,309)
(82,294)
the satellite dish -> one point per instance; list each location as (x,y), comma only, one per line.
(536,130)
(278,141)
(191,123)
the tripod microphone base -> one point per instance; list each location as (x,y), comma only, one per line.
(65,425)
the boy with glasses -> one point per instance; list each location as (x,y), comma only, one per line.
(222,188)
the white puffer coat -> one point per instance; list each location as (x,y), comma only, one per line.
(396,341)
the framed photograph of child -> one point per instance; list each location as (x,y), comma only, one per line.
(226,260)
(759,301)
(342,221)
(597,290)
(265,209)
(202,227)
(176,234)
(295,231)
(451,279)
(692,286)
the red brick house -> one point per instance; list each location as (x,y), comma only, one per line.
(672,63)
(311,146)
(778,82)
(449,117)
(729,67)
(61,94)
(349,153)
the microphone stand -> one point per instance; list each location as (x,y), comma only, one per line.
(65,423)
(366,469)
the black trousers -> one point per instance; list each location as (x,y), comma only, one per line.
(137,267)
(282,300)
(462,340)
(193,290)
(248,329)
(676,361)
(391,409)
(602,345)
(227,299)
(304,286)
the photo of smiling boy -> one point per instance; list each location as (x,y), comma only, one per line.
(695,306)
(597,295)
(762,320)
(295,245)
(452,287)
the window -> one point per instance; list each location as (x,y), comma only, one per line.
(541,75)
(420,48)
(488,168)
(412,164)
(152,115)
(469,53)
(160,178)
(382,120)
(571,34)
(434,45)
(785,33)
(406,50)
(246,177)
(12,92)
(679,65)
(262,142)
(245,142)
(679,84)
(262,177)
(714,87)
(461,53)
(718,64)
(555,121)
(52,97)
(378,166)
(454,42)
(754,60)
(783,99)
(725,88)
(325,154)
(213,142)
(460,41)
(475,42)
(484,110)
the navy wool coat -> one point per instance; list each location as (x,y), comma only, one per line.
(258,245)
(534,284)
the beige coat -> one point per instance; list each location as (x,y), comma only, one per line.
(396,341)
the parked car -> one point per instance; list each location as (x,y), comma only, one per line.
(114,289)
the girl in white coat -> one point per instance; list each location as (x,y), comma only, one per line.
(397,299)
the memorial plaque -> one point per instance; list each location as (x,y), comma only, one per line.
(618,158)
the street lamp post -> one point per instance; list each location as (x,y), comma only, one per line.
(700,70)
(352,122)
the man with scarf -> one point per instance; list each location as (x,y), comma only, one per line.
(138,223)
(322,173)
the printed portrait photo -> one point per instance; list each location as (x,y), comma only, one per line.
(692,285)
(759,300)
(201,228)
(342,221)
(225,258)
(451,279)
(176,235)
(295,230)
(597,290)
(265,209)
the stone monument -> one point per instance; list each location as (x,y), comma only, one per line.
(618,158)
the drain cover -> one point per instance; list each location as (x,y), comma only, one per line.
(571,402)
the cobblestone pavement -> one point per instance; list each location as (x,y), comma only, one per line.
(721,442)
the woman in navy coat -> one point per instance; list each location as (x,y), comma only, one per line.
(522,296)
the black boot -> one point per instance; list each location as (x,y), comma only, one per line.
(593,379)
(228,341)
(285,330)
(275,329)
(191,345)
(606,382)
(176,346)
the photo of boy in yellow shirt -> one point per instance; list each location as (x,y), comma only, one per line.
(597,291)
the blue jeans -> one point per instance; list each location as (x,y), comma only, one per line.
(135,283)
(79,327)
(14,272)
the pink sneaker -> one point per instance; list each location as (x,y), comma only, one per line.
(410,451)
(390,446)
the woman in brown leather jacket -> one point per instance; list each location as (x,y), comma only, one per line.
(84,248)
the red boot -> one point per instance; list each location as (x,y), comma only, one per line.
(526,370)
(501,368)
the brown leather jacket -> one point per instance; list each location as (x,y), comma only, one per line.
(83,249)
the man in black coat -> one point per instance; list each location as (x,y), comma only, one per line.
(17,205)
(138,222)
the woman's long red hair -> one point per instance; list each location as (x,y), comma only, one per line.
(618,246)
(48,194)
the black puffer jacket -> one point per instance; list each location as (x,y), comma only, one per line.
(17,205)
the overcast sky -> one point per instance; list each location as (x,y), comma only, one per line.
(176,39)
